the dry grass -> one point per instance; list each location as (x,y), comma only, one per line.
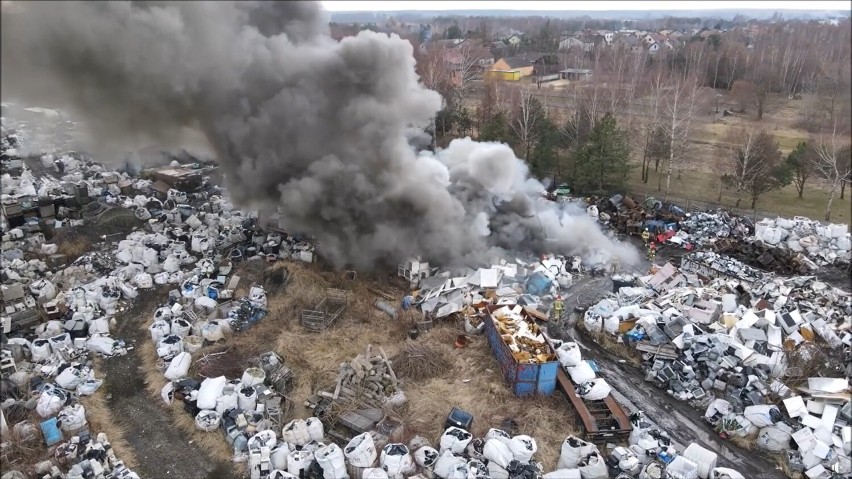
(74,248)
(22,453)
(419,361)
(748,443)
(100,420)
(211,442)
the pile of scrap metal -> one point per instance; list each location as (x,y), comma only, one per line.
(631,217)
(822,244)
(765,256)
(706,227)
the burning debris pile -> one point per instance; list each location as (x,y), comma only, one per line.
(719,335)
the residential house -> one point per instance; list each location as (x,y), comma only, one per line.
(514,39)
(576,43)
(511,69)
(544,64)
(653,47)
(575,74)
(631,43)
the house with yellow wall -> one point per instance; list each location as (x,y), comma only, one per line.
(510,69)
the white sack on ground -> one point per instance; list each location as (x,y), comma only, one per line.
(298,461)
(594,390)
(455,440)
(573,450)
(179,367)
(296,432)
(397,461)
(426,457)
(498,452)
(361,451)
(498,434)
(774,438)
(761,415)
(50,402)
(446,463)
(207,420)
(703,458)
(374,473)
(569,354)
(581,373)
(725,473)
(210,390)
(330,459)
(316,431)
(523,448)
(563,474)
(593,467)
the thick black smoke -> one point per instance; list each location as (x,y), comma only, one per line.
(317,128)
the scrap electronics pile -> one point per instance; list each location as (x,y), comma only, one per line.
(724,336)
(533,284)
(56,316)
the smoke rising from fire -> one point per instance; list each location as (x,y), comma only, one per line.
(313,127)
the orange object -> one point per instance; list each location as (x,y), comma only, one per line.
(461,341)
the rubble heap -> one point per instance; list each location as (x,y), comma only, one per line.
(722,345)
(706,227)
(822,244)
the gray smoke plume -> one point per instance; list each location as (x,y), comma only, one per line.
(315,128)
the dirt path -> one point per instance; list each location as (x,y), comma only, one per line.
(683,423)
(162,449)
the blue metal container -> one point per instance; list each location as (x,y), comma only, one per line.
(525,379)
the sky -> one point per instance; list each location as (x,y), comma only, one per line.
(367,6)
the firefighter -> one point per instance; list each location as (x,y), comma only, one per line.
(558,307)
(652,251)
(646,235)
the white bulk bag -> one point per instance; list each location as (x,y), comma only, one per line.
(573,450)
(167,393)
(523,448)
(101,344)
(227,401)
(774,438)
(128,291)
(497,472)
(314,425)
(278,457)
(455,440)
(169,345)
(330,459)
(725,473)
(280,474)
(50,402)
(180,327)
(159,329)
(682,468)
(69,378)
(594,390)
(374,473)
(563,474)
(192,344)
(298,461)
(210,390)
(72,418)
(569,354)
(99,326)
(581,373)
(760,415)
(207,420)
(265,438)
(205,302)
(296,432)
(446,463)
(397,461)
(171,264)
(460,471)
(498,434)
(593,467)
(254,376)
(361,451)
(161,278)
(212,332)
(703,458)
(426,457)
(89,386)
(247,399)
(497,452)
(143,280)
(179,367)
(40,350)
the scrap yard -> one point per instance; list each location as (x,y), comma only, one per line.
(277,303)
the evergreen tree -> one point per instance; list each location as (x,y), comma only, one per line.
(602,162)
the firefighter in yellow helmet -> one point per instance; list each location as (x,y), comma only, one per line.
(646,235)
(558,307)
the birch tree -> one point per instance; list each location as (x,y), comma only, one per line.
(678,107)
(525,124)
(831,163)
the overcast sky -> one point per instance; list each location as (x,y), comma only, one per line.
(360,6)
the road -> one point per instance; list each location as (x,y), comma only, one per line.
(683,423)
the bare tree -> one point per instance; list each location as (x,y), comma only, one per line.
(757,165)
(801,164)
(678,107)
(434,75)
(465,67)
(830,162)
(528,115)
